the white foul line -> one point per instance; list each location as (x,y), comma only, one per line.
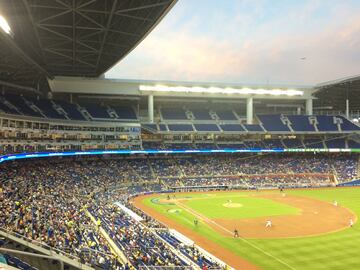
(230,232)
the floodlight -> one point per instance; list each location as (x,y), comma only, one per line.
(220,90)
(4,25)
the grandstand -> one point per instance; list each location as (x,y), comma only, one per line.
(77,149)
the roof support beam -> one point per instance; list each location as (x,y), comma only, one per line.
(108,25)
(143,7)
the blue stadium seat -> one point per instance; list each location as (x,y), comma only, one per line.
(96,111)
(226,115)
(273,123)
(326,123)
(6,109)
(46,107)
(272,144)
(313,143)
(253,128)
(150,127)
(173,114)
(162,127)
(293,143)
(20,103)
(180,127)
(335,143)
(71,110)
(353,144)
(232,127)
(206,127)
(125,113)
(301,123)
(201,114)
(347,125)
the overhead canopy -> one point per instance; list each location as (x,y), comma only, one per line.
(333,95)
(73,37)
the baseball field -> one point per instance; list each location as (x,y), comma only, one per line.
(310,227)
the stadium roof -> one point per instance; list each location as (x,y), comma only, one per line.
(72,37)
(332,95)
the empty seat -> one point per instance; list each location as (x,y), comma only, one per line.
(97,111)
(201,114)
(71,110)
(150,127)
(347,125)
(326,123)
(273,123)
(301,123)
(47,108)
(335,143)
(21,105)
(173,114)
(125,113)
(180,127)
(206,127)
(253,128)
(226,115)
(232,127)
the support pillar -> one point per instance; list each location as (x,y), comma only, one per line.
(347,113)
(249,110)
(151,108)
(309,106)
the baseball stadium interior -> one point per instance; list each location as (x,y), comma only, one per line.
(79,153)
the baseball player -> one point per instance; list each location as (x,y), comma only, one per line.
(268,224)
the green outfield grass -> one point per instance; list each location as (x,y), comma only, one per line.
(330,251)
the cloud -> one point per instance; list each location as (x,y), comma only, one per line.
(271,52)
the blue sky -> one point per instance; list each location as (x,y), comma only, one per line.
(250,41)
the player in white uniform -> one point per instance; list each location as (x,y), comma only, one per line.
(351,222)
(268,224)
(335,203)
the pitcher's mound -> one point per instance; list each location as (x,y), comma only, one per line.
(232,205)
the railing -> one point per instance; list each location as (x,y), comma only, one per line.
(54,251)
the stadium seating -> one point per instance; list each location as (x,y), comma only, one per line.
(301,123)
(47,108)
(201,114)
(96,111)
(326,123)
(180,127)
(226,115)
(273,123)
(71,110)
(293,143)
(125,113)
(335,143)
(206,127)
(173,114)
(17,263)
(21,105)
(347,125)
(232,128)
(253,128)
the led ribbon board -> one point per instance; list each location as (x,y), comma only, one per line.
(177,151)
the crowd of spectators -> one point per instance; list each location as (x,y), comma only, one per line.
(48,200)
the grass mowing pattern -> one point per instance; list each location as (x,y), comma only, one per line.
(212,207)
(331,251)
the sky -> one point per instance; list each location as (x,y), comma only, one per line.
(250,41)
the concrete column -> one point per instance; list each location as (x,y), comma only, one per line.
(309,106)
(298,110)
(249,110)
(151,108)
(347,109)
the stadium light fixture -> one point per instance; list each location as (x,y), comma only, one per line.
(4,25)
(220,90)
